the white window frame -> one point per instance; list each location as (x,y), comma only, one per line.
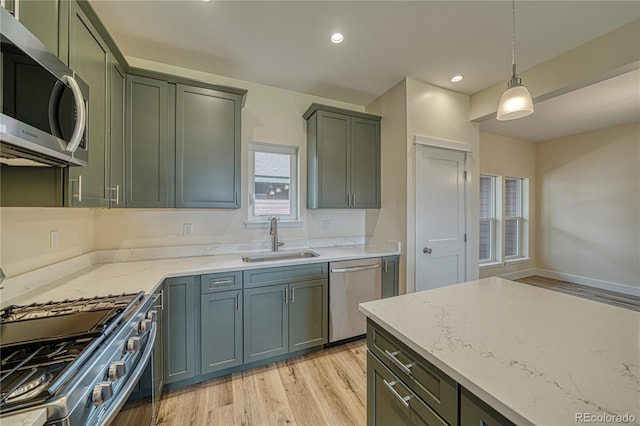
(493,220)
(294,193)
(519,218)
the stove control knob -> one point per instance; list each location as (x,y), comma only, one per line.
(145,325)
(152,315)
(117,370)
(101,393)
(133,344)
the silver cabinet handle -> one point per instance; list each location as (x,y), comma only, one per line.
(238,301)
(427,250)
(293,295)
(348,200)
(353,201)
(357,268)
(404,400)
(229,281)
(117,189)
(286,294)
(79,194)
(386,266)
(392,357)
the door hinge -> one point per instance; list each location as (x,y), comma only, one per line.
(464,175)
(465,238)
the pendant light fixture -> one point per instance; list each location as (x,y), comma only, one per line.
(516,101)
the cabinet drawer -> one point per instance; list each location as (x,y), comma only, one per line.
(285,275)
(391,402)
(212,283)
(475,412)
(428,382)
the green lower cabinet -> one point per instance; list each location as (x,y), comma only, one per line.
(221,330)
(390,269)
(179,329)
(391,402)
(308,312)
(474,411)
(266,322)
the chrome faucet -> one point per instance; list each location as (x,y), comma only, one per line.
(274,234)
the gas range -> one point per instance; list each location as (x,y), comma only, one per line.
(79,359)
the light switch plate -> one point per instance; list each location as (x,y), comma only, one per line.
(187,229)
(54,240)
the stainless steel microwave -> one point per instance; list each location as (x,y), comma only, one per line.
(44,103)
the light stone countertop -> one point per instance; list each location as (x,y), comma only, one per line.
(537,356)
(81,278)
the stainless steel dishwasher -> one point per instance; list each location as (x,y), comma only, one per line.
(350,283)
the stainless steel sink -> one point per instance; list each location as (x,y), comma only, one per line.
(280,256)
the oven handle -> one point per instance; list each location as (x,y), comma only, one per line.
(113,410)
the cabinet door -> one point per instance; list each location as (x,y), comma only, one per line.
(207,148)
(333,134)
(147,143)
(266,322)
(221,330)
(41,17)
(116,158)
(89,57)
(390,402)
(179,329)
(365,163)
(473,411)
(390,276)
(308,310)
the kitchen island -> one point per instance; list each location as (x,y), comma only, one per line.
(533,355)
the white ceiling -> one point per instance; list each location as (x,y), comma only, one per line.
(286,43)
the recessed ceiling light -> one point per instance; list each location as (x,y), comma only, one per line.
(456,78)
(337,38)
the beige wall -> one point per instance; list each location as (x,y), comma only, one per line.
(589,206)
(24,236)
(440,113)
(270,115)
(390,222)
(506,156)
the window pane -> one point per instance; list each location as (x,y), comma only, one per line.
(486,237)
(271,184)
(486,196)
(511,237)
(512,197)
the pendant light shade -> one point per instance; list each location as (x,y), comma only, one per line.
(516,101)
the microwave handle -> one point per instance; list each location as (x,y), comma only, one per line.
(78,131)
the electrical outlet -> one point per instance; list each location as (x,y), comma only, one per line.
(326,225)
(187,229)
(54,240)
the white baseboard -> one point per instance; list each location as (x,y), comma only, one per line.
(518,274)
(590,282)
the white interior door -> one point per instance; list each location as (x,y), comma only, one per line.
(440,217)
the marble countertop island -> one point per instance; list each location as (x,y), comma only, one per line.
(536,356)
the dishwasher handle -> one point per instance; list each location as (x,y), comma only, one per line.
(356,268)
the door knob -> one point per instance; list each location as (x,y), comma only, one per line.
(427,250)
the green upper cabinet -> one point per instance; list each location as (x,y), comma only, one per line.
(207,148)
(116,136)
(89,57)
(147,142)
(343,158)
(43,18)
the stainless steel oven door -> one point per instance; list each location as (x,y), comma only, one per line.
(117,412)
(139,409)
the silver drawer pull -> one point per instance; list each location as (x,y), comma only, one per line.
(404,400)
(222,282)
(392,357)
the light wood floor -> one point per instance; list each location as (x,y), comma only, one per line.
(323,388)
(604,296)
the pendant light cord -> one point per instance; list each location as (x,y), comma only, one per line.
(513,37)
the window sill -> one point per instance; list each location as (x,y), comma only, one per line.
(281,224)
(517,260)
(491,265)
